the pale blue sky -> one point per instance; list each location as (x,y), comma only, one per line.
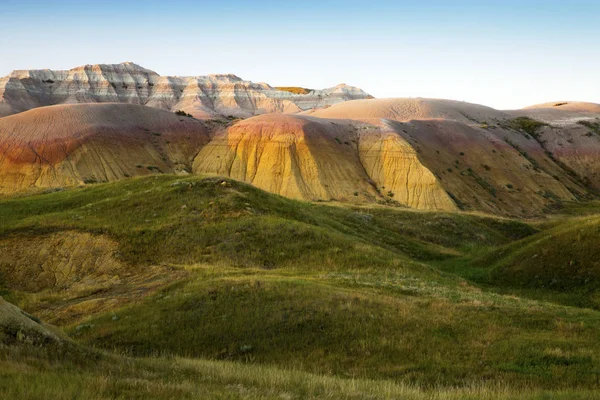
(505,54)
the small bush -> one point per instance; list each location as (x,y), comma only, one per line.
(527,125)
(182,113)
(593,126)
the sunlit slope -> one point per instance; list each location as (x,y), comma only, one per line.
(314,159)
(86,143)
(106,245)
(483,158)
(406,109)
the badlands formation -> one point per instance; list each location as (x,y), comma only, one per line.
(117,121)
(72,144)
(201,96)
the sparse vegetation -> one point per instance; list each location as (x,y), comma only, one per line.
(183,114)
(594,126)
(527,125)
(482,182)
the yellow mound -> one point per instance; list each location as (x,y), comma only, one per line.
(84,143)
(294,89)
(492,170)
(315,159)
(409,109)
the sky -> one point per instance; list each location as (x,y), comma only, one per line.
(505,54)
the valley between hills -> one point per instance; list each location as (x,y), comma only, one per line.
(210,237)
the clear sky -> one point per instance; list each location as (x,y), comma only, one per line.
(505,54)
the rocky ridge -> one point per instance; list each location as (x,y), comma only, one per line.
(202,96)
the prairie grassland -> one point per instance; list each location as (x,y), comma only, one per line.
(285,299)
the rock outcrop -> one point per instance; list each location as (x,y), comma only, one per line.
(201,96)
(20,328)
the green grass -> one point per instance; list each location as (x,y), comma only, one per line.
(402,302)
(185,221)
(27,374)
(560,263)
(354,326)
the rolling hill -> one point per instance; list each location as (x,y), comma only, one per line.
(74,144)
(242,282)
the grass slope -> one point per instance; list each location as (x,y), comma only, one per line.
(293,286)
(32,374)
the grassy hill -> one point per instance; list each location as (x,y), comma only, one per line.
(246,286)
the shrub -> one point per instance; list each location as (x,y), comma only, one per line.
(182,113)
(593,126)
(527,125)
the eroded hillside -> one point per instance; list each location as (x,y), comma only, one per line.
(201,96)
(419,153)
(87,143)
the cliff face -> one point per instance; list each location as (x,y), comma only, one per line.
(202,96)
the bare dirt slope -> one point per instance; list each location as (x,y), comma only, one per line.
(420,153)
(79,143)
(409,109)
(316,159)
(571,136)
(476,153)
